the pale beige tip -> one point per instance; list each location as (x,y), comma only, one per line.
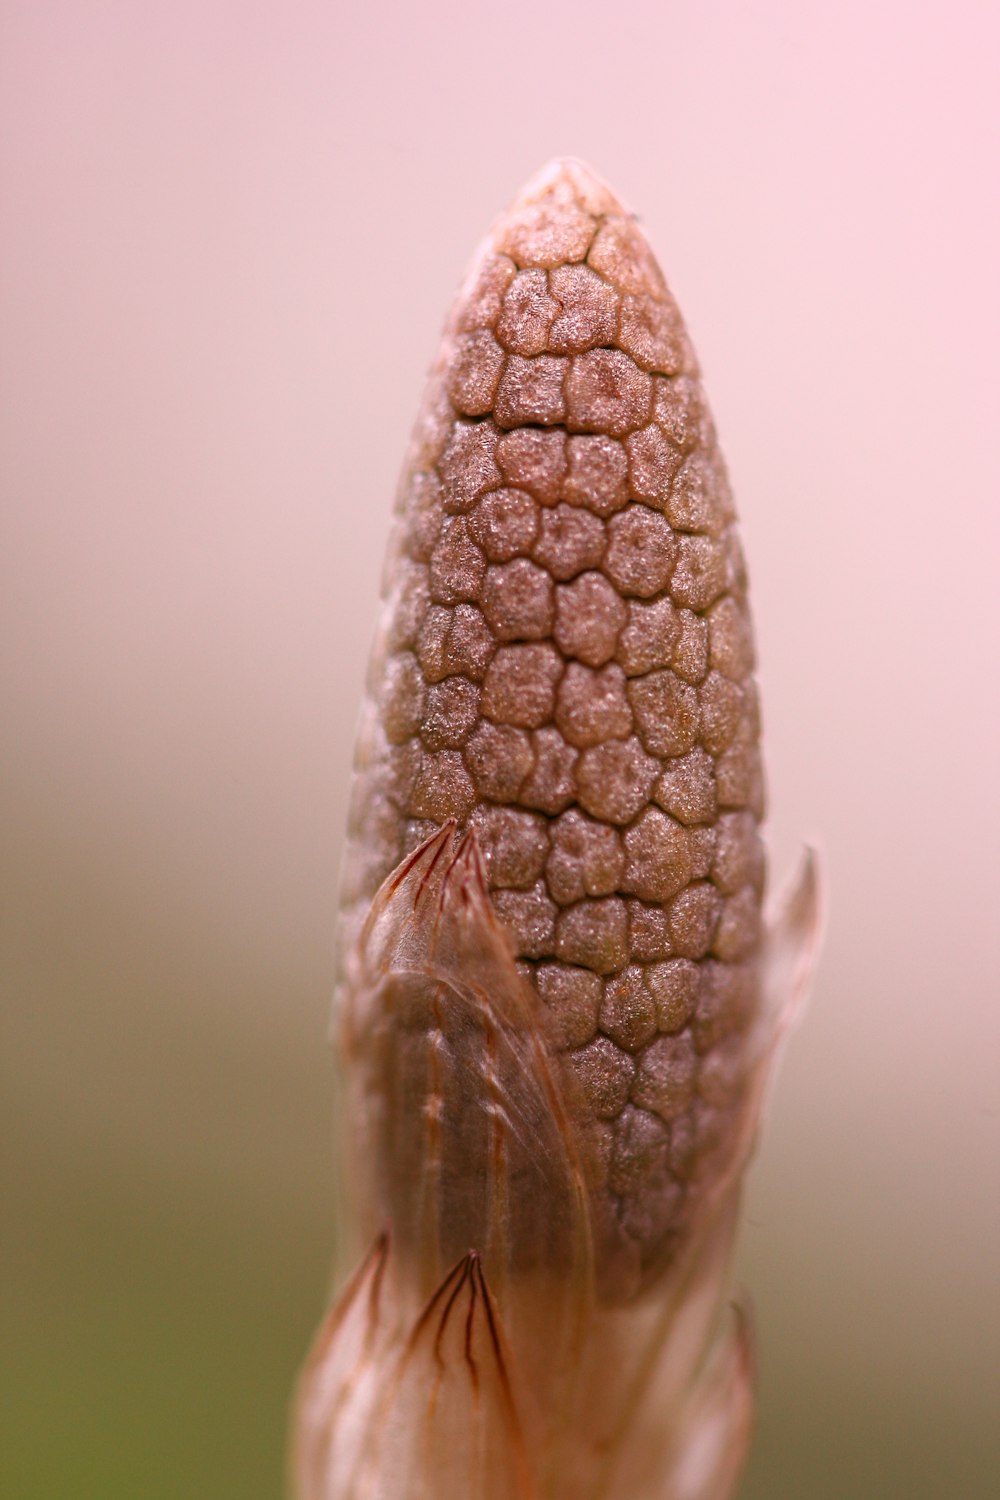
(568,181)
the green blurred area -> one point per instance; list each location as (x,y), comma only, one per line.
(152,1343)
(168,1198)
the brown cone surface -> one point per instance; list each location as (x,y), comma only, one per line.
(565,664)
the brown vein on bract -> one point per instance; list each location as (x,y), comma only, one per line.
(456,1271)
(446,885)
(438,843)
(377,1255)
(446,1314)
(493,1330)
(377,1252)
(366,1471)
(526,1480)
(468,1270)
(412,860)
(466,875)
(473,1258)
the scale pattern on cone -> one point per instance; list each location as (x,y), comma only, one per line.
(565,664)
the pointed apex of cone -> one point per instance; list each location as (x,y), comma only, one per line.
(568,181)
(555,217)
(563,217)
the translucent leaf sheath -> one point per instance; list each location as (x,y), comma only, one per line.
(558,1004)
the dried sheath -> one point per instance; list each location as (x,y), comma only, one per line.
(558,1001)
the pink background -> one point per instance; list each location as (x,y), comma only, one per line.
(231,233)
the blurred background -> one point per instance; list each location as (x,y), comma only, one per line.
(231,234)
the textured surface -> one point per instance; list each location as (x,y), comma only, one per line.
(565,664)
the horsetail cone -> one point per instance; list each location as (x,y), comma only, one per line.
(565,666)
(558,1001)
